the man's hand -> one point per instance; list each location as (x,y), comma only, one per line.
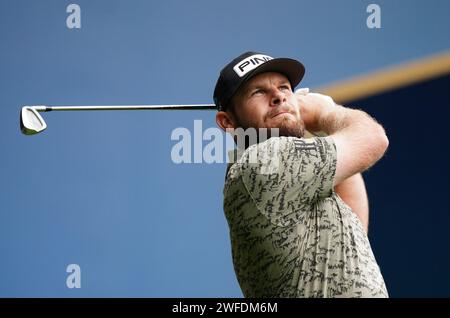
(312,105)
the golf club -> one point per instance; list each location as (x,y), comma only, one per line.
(31,122)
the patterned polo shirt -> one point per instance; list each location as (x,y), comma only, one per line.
(291,234)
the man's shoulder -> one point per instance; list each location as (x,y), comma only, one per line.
(274,155)
(300,143)
(286,147)
(280,142)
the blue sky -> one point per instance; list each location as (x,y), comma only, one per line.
(99,189)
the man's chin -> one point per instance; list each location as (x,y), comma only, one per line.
(298,132)
(290,128)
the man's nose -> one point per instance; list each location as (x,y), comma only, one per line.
(278,98)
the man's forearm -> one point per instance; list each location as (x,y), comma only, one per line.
(359,139)
(353,192)
(334,119)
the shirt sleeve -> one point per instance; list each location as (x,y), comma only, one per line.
(285,176)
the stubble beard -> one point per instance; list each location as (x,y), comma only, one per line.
(286,128)
(289,128)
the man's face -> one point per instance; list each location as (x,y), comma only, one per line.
(267,101)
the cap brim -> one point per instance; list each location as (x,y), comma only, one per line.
(292,69)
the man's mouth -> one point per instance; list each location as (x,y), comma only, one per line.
(281,113)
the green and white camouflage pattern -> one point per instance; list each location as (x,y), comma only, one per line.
(291,234)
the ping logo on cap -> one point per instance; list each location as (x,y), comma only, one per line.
(250,63)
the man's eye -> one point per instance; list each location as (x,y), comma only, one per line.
(284,87)
(258,91)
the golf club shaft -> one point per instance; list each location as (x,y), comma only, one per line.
(124,107)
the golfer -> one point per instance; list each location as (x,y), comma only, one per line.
(298,213)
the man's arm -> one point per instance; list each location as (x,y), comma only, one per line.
(353,192)
(360,141)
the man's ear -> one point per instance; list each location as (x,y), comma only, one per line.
(225,120)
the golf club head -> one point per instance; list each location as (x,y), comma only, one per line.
(31,122)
